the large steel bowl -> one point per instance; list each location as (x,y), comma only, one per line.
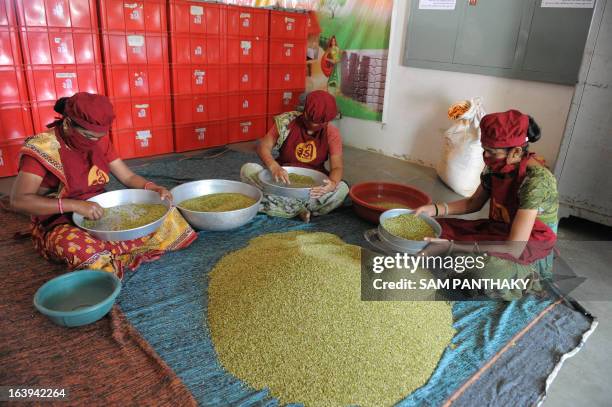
(216,221)
(273,188)
(408,246)
(124,197)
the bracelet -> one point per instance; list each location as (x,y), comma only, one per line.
(147,184)
(60,206)
(450,248)
(476,248)
(445,208)
(436,206)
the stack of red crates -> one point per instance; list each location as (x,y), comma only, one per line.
(15,118)
(287,74)
(247,58)
(199,76)
(60,45)
(136,68)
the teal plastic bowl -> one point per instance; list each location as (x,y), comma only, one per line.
(78,298)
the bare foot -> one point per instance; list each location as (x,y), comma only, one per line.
(305,216)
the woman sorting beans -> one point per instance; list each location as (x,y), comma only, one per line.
(305,140)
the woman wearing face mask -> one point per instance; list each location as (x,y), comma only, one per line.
(63,167)
(303,140)
(523,198)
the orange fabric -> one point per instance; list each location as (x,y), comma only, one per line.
(333,138)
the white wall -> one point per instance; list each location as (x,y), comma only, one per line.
(417,100)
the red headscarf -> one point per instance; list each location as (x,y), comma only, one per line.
(320,107)
(78,153)
(504,130)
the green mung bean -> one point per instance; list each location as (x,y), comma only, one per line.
(285,313)
(408,226)
(124,217)
(222,202)
(299,181)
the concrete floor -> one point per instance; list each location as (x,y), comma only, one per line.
(586,378)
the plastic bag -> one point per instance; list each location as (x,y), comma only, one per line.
(461,163)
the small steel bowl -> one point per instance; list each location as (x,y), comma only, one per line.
(408,246)
(216,221)
(124,197)
(273,188)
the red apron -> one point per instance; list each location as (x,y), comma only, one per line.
(303,150)
(503,207)
(86,174)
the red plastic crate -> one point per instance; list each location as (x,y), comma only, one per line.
(60,46)
(129,16)
(195,17)
(9,157)
(143,142)
(280,101)
(246,129)
(192,49)
(269,122)
(247,104)
(57,13)
(198,79)
(285,24)
(7,14)
(135,48)
(200,135)
(137,81)
(247,50)
(243,78)
(145,112)
(199,108)
(287,52)
(287,77)
(15,121)
(248,21)
(46,84)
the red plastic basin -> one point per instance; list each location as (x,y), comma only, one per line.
(365,194)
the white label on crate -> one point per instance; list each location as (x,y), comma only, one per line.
(65,75)
(142,110)
(196,10)
(201,133)
(245,104)
(136,40)
(62,48)
(287,77)
(130,5)
(245,78)
(246,47)
(289,20)
(139,82)
(199,73)
(57,40)
(245,15)
(288,45)
(200,108)
(287,97)
(143,136)
(198,50)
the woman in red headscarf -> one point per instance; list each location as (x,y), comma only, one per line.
(520,231)
(63,167)
(306,140)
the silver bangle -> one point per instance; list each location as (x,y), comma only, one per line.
(450,248)
(445,208)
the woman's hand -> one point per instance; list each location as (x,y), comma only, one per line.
(163,192)
(279,173)
(429,210)
(318,192)
(87,209)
